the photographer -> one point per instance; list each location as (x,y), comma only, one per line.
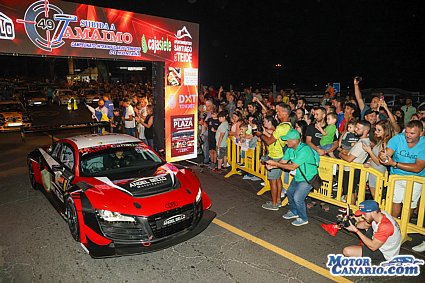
(382,239)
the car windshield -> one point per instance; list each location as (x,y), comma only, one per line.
(120,159)
(12,107)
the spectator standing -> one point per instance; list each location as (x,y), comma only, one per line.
(221,138)
(357,155)
(383,133)
(213,124)
(313,135)
(147,123)
(408,110)
(328,133)
(109,105)
(305,161)
(374,103)
(116,122)
(406,155)
(348,138)
(274,152)
(128,118)
(282,129)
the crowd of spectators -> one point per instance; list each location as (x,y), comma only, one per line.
(349,128)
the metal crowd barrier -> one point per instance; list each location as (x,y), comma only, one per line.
(330,170)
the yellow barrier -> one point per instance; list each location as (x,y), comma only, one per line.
(330,168)
(407,227)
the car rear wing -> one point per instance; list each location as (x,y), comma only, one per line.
(95,127)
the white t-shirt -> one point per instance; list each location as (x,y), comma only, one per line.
(388,232)
(129,111)
(358,151)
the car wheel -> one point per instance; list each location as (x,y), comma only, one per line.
(31,174)
(72,219)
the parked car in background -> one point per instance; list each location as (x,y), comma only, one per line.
(13,115)
(35,98)
(62,96)
(89,95)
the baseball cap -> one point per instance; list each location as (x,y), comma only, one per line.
(291,135)
(367,206)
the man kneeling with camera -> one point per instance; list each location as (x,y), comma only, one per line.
(382,238)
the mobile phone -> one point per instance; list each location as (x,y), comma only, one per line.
(382,98)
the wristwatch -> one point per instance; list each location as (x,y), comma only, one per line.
(396,165)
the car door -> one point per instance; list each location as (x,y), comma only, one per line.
(64,172)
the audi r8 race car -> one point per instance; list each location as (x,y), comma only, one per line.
(13,116)
(118,196)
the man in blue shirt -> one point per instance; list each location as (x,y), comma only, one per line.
(405,153)
(109,105)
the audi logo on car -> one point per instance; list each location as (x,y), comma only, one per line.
(171,204)
(174,219)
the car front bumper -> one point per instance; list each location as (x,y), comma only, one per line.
(115,248)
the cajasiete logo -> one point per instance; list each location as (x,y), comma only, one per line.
(155,44)
(7,29)
(47,26)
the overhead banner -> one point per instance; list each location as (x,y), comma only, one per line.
(65,29)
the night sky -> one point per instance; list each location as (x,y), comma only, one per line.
(315,41)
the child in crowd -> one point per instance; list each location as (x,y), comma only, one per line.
(349,138)
(247,141)
(213,124)
(328,134)
(221,139)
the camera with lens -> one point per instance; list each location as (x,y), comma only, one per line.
(358,78)
(343,220)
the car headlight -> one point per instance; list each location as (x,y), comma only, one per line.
(198,196)
(111,216)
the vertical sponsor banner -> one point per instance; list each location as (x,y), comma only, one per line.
(66,29)
(181,97)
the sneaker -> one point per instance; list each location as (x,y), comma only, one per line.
(253,178)
(283,194)
(343,198)
(269,206)
(289,215)
(342,210)
(420,247)
(279,204)
(299,222)
(262,184)
(216,170)
(246,177)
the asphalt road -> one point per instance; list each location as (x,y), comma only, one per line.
(36,246)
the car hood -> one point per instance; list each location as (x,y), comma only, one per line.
(143,195)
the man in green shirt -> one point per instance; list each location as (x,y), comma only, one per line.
(305,161)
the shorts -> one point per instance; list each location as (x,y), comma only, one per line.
(400,187)
(212,144)
(222,152)
(356,181)
(274,173)
(326,146)
(376,256)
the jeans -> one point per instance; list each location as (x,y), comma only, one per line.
(130,131)
(205,149)
(297,192)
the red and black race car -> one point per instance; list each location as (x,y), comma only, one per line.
(118,196)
